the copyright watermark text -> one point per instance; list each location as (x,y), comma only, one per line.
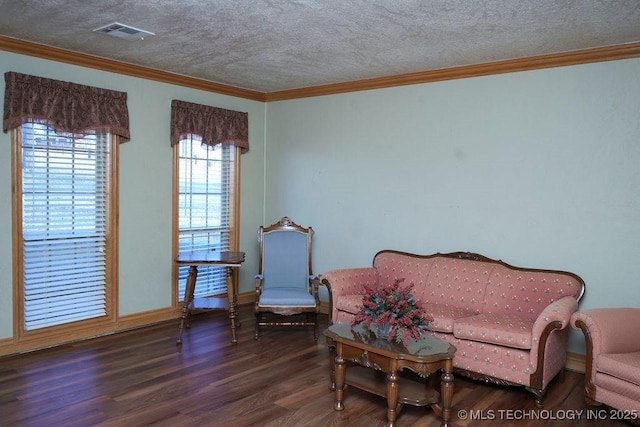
(547,414)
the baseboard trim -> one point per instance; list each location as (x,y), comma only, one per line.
(246,298)
(14,346)
(147,318)
(576,362)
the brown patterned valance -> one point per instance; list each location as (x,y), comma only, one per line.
(70,109)
(214,125)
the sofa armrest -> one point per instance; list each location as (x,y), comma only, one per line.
(347,281)
(548,349)
(558,311)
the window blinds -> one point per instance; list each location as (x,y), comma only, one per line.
(64,214)
(204,208)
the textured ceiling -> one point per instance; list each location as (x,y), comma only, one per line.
(276,45)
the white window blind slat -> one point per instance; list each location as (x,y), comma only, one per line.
(94,266)
(68,317)
(41,307)
(43,284)
(64,210)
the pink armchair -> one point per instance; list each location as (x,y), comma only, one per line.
(612,374)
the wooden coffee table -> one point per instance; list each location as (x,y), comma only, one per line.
(367,356)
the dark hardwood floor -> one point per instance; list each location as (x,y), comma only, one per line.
(142,378)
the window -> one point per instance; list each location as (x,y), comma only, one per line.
(207,143)
(65,207)
(206,182)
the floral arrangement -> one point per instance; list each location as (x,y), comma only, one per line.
(392,308)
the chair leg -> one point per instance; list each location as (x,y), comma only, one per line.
(310,319)
(538,394)
(257,331)
(315,327)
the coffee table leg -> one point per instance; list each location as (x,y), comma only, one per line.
(332,364)
(340,371)
(446,389)
(392,398)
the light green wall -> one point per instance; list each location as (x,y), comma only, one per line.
(145,184)
(539,169)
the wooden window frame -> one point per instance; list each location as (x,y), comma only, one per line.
(55,335)
(234,215)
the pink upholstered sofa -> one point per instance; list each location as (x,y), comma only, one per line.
(509,324)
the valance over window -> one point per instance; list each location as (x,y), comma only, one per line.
(71,109)
(214,125)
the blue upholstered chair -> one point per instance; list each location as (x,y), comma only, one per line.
(286,291)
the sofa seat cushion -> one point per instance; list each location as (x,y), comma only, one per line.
(444,316)
(349,303)
(506,363)
(625,366)
(496,328)
(616,392)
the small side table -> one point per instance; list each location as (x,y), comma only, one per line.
(230,260)
(424,357)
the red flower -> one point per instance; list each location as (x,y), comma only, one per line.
(393,305)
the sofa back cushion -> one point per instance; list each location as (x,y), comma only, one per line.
(527,292)
(458,282)
(476,284)
(437,279)
(393,265)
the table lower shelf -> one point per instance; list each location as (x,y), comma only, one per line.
(410,392)
(210,303)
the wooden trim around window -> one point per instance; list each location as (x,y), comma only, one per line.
(16,230)
(234,215)
(113,244)
(234,231)
(22,340)
(175,227)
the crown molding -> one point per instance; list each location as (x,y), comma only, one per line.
(585,56)
(22,47)
(608,53)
